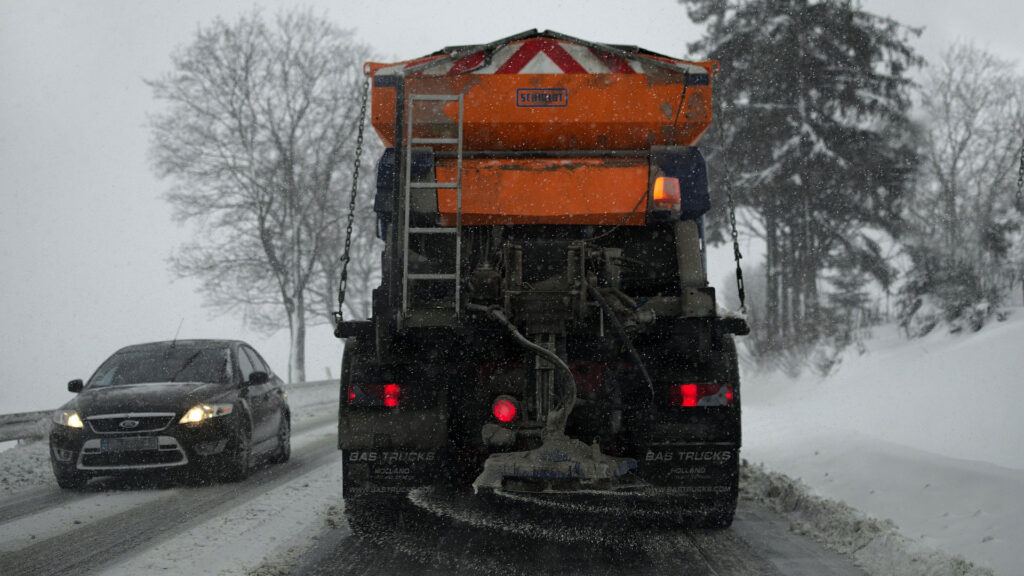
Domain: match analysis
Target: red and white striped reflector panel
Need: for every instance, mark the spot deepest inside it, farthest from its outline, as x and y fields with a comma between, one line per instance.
x=538, y=55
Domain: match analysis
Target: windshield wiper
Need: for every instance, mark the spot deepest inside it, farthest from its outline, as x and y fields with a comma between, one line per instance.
x=188, y=361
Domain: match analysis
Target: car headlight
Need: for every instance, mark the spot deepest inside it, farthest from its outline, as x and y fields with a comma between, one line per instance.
x=68, y=418
x=203, y=412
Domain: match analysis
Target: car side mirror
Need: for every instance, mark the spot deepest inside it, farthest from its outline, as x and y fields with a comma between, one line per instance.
x=257, y=378
x=75, y=386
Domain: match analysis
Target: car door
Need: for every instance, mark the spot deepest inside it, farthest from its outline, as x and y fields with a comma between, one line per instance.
x=252, y=396
x=279, y=405
x=266, y=413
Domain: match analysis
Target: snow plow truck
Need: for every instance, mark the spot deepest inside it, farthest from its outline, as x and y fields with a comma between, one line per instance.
x=544, y=322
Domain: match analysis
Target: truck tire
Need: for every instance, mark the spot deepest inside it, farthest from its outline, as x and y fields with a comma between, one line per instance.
x=359, y=515
x=373, y=517
x=719, y=520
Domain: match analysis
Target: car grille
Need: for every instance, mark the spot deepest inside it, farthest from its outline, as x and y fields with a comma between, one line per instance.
x=168, y=452
x=132, y=459
x=144, y=422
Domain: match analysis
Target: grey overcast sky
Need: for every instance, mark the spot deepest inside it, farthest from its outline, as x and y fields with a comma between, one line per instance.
x=84, y=232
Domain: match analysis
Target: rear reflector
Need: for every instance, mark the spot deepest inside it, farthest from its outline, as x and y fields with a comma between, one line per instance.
x=693, y=395
x=504, y=409
x=387, y=395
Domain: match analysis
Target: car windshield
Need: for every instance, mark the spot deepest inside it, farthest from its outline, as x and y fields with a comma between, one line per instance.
x=170, y=364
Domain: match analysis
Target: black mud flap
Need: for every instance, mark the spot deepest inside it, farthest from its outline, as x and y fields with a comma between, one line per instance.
x=384, y=471
x=700, y=471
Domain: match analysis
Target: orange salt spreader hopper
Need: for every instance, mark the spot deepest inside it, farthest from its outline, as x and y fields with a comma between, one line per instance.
x=555, y=130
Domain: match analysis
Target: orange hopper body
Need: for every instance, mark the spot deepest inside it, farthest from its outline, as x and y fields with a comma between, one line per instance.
x=566, y=126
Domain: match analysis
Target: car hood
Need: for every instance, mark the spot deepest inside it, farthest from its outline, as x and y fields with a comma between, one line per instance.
x=174, y=397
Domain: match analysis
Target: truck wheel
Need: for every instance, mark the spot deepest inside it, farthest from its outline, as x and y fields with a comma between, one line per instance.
x=463, y=469
x=718, y=520
x=369, y=516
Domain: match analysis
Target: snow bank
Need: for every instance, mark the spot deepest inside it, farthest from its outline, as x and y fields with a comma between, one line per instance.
x=924, y=433
x=24, y=466
x=877, y=546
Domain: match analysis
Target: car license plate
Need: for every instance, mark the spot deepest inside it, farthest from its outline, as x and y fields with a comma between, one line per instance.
x=129, y=444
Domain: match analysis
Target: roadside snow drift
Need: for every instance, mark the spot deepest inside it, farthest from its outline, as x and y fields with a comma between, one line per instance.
x=925, y=433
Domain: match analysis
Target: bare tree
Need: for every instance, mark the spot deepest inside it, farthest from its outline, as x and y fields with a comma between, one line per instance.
x=364, y=258
x=258, y=135
x=966, y=240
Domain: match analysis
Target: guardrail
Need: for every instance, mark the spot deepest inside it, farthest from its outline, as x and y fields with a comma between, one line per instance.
x=25, y=425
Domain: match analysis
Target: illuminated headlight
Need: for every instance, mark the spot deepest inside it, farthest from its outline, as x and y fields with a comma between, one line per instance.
x=67, y=418
x=204, y=412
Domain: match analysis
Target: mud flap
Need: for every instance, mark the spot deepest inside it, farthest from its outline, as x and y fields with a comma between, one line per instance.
x=383, y=471
x=693, y=471
x=559, y=464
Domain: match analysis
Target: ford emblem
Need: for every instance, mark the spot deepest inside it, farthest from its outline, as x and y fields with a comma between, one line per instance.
x=129, y=424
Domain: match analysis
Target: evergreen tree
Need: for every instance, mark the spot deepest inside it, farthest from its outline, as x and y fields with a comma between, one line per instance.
x=811, y=109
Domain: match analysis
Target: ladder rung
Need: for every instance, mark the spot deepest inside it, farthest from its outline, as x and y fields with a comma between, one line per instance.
x=434, y=97
x=432, y=230
x=433, y=184
x=431, y=276
x=434, y=141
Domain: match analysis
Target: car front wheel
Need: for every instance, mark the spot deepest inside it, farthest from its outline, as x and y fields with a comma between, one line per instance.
x=284, y=441
x=70, y=480
x=236, y=461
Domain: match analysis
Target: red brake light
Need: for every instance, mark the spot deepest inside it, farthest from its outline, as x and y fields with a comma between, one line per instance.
x=693, y=395
x=504, y=409
x=374, y=395
x=391, y=392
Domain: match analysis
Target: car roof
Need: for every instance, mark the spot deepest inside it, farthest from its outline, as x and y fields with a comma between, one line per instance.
x=182, y=344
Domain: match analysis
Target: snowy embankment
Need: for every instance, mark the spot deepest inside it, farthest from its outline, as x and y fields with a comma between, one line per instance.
x=923, y=435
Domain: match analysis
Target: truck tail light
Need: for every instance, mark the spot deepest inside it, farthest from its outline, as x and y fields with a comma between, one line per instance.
x=504, y=409
x=387, y=395
x=692, y=395
x=666, y=193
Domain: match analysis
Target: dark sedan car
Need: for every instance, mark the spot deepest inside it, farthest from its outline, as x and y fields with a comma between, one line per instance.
x=205, y=407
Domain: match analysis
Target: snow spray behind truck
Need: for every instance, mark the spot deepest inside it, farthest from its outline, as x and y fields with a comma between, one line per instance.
x=544, y=322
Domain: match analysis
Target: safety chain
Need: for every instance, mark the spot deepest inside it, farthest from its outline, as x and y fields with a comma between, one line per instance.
x=736, y=249
x=1020, y=181
x=343, y=283
x=740, y=290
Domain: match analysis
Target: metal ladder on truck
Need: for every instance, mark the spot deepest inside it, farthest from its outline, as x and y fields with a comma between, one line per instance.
x=423, y=316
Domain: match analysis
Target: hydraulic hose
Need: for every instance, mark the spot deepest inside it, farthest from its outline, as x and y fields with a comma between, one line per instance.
x=558, y=418
x=623, y=335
